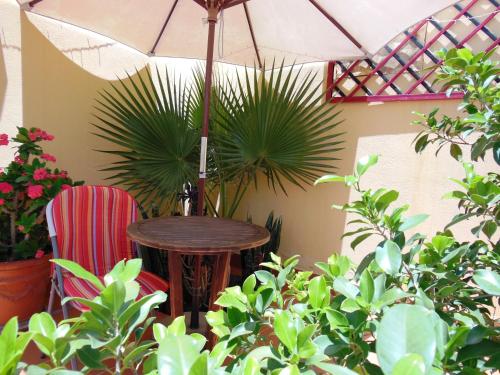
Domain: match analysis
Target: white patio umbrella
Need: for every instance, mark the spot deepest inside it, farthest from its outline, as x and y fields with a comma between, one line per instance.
x=249, y=32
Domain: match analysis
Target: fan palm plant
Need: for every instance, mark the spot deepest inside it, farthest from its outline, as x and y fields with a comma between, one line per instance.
x=279, y=127
x=156, y=138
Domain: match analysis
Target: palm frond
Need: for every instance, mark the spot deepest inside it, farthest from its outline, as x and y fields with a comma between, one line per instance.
x=279, y=127
x=157, y=142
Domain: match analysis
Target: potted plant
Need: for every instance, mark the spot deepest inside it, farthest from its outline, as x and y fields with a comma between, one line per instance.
x=27, y=184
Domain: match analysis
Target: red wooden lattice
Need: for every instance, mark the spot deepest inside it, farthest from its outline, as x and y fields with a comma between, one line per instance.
x=405, y=68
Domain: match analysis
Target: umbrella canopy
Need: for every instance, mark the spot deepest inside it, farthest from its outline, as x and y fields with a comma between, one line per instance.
x=249, y=32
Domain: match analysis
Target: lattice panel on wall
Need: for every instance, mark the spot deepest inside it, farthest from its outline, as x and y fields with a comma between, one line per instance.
x=404, y=69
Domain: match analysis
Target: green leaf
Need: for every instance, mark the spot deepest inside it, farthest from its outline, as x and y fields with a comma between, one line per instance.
x=177, y=327
x=242, y=329
x=249, y=285
x=124, y=271
x=412, y=221
x=329, y=178
x=403, y=330
x=350, y=180
x=388, y=257
x=113, y=296
x=290, y=370
x=233, y=297
x=251, y=366
x=264, y=299
x=365, y=163
x=44, y=324
x=345, y=287
x=90, y=357
x=176, y=354
x=456, y=152
x=319, y=294
x=366, y=286
x=410, y=364
x=285, y=330
x=421, y=143
x=336, y=319
x=488, y=280
x=335, y=369
x=44, y=328
x=359, y=239
x=200, y=365
x=389, y=297
x=489, y=228
x=483, y=349
x=349, y=305
x=265, y=277
x=423, y=300
x=385, y=200
x=138, y=311
x=496, y=152
x=79, y=272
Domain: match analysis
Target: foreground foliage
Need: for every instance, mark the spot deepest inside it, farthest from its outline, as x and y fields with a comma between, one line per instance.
x=415, y=305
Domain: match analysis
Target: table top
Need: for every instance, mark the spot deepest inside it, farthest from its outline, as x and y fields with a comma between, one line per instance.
x=197, y=234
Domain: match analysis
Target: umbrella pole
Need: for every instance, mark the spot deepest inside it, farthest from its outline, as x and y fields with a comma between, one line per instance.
x=212, y=20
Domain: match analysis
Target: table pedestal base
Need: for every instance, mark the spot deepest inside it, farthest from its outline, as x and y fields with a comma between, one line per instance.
x=220, y=279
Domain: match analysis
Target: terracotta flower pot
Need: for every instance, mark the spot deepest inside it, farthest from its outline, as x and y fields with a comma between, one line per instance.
x=24, y=287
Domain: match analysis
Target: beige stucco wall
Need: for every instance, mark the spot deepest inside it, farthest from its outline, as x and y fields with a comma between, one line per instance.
x=313, y=229
x=58, y=96
x=52, y=90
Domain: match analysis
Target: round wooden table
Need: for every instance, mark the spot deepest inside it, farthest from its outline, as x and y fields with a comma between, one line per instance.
x=199, y=236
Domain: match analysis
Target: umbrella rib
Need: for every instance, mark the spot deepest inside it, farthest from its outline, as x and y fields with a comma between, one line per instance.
x=152, y=51
x=341, y=28
x=250, y=26
x=34, y=2
x=232, y=3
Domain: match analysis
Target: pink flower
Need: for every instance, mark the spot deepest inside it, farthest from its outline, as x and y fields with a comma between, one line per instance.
x=39, y=254
x=2, y=201
x=40, y=174
x=46, y=136
x=35, y=191
x=65, y=187
x=5, y=187
x=48, y=157
x=20, y=228
x=4, y=139
x=18, y=160
x=35, y=134
x=63, y=174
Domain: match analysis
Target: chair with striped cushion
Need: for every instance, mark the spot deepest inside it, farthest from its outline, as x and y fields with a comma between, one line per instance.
x=87, y=225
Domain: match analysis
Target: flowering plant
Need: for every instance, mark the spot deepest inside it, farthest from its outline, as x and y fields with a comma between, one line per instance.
x=27, y=184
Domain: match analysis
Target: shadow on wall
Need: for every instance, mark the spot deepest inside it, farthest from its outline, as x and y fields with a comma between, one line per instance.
x=58, y=96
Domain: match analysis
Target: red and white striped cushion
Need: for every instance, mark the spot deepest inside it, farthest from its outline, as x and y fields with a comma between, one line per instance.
x=75, y=287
